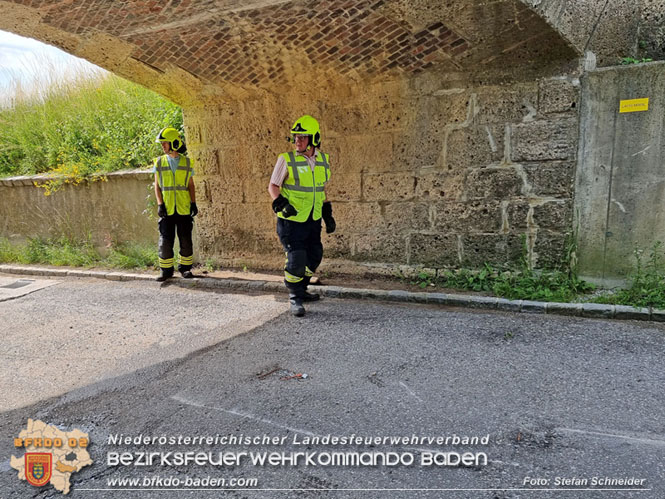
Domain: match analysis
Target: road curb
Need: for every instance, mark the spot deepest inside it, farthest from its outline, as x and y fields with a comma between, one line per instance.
x=587, y=310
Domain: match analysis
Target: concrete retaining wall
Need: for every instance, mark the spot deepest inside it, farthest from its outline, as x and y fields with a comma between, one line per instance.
x=620, y=185
x=108, y=211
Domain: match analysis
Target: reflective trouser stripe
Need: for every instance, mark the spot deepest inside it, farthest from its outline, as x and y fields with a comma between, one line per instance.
x=186, y=260
x=166, y=263
x=308, y=273
x=288, y=277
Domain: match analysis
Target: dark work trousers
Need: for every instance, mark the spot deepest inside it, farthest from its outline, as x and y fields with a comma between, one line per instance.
x=168, y=226
x=304, y=251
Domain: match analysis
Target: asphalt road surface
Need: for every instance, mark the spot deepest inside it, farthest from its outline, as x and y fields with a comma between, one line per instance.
x=564, y=403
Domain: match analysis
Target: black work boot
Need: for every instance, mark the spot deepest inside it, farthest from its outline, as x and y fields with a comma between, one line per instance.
x=308, y=296
x=186, y=274
x=311, y=297
x=296, y=306
x=165, y=274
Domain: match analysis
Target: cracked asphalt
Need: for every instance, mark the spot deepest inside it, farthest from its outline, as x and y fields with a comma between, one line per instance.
x=561, y=398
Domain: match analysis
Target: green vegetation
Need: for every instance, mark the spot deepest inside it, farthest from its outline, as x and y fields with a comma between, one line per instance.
x=64, y=251
x=647, y=287
x=519, y=282
x=647, y=283
x=210, y=265
x=85, y=125
x=132, y=256
x=514, y=284
x=631, y=60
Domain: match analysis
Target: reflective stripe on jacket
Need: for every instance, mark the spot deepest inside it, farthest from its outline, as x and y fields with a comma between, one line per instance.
x=303, y=187
x=175, y=191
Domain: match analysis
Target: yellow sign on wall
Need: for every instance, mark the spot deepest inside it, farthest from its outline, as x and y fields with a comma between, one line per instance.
x=634, y=105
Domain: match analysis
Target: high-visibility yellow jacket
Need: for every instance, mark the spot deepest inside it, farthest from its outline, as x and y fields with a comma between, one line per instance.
x=174, y=187
x=303, y=187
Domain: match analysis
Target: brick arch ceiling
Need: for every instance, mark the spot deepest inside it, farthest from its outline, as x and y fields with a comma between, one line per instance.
x=227, y=49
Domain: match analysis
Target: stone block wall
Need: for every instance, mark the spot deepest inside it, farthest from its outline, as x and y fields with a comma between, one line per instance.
x=424, y=173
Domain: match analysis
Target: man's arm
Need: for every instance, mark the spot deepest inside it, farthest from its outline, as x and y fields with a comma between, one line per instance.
x=192, y=190
x=279, y=202
x=158, y=191
x=194, y=210
x=273, y=190
x=326, y=212
x=161, y=209
x=279, y=174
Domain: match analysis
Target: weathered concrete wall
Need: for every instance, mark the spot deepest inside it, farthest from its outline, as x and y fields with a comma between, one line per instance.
x=108, y=211
x=620, y=201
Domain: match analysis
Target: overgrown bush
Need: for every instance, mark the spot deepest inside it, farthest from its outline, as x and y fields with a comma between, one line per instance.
x=77, y=127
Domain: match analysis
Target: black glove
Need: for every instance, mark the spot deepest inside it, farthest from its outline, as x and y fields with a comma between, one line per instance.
x=326, y=212
x=161, y=210
x=282, y=205
x=193, y=210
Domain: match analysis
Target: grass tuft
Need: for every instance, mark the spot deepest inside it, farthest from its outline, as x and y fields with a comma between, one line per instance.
x=647, y=287
x=64, y=251
x=514, y=284
x=132, y=256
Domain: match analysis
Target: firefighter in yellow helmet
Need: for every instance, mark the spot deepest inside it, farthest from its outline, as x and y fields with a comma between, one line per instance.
x=176, y=203
x=297, y=188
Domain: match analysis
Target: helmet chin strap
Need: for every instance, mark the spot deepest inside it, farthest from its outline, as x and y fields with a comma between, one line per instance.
x=171, y=152
x=309, y=145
